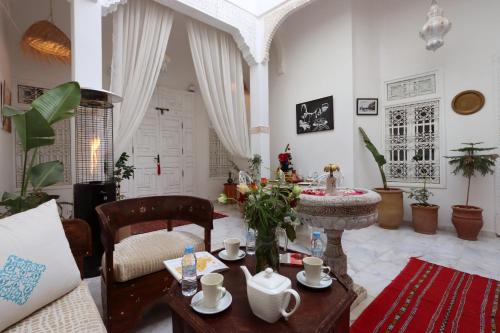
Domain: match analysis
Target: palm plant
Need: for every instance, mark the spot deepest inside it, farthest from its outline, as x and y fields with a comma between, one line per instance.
x=34, y=130
x=379, y=158
x=472, y=162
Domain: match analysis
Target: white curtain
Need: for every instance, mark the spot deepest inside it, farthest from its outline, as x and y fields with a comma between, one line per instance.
x=218, y=65
x=141, y=29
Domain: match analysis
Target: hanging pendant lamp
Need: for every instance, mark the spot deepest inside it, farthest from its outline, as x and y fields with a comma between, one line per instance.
x=45, y=40
x=435, y=28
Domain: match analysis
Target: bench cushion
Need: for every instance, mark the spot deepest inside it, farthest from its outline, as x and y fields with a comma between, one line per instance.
x=75, y=312
x=143, y=254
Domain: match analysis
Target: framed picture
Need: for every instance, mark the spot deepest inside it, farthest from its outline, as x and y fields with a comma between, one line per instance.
x=315, y=116
x=367, y=106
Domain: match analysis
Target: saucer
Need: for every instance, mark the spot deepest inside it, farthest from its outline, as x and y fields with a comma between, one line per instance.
x=223, y=255
x=323, y=283
x=224, y=303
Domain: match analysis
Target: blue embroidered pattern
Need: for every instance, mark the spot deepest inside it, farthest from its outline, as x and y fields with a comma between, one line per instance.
x=18, y=278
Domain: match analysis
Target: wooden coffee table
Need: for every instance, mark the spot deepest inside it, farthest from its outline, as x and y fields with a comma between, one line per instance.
x=324, y=310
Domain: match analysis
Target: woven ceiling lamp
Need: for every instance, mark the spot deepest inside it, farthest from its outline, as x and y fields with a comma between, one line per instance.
x=43, y=39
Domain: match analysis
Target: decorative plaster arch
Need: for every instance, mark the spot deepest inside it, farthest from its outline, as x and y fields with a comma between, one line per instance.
x=274, y=19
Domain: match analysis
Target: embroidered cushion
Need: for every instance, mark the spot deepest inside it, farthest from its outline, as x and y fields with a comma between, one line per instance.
x=144, y=254
x=36, y=264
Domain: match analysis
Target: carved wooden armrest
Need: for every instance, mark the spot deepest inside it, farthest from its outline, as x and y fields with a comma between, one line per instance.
x=80, y=241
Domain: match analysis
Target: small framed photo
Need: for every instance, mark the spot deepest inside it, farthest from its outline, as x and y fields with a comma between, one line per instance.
x=367, y=106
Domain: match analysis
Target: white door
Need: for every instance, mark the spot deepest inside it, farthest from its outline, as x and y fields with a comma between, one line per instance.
x=188, y=163
x=170, y=151
x=165, y=132
x=145, y=151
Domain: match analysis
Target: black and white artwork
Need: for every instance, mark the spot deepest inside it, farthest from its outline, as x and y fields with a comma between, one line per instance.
x=367, y=106
x=315, y=116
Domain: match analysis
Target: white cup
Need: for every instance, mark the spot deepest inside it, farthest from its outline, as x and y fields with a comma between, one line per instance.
x=313, y=267
x=232, y=246
x=213, y=291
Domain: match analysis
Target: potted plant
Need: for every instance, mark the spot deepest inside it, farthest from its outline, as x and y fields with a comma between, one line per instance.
x=122, y=171
x=390, y=209
x=34, y=130
x=424, y=214
x=467, y=219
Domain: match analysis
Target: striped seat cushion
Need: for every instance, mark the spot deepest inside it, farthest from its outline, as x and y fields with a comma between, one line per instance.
x=143, y=254
x=75, y=312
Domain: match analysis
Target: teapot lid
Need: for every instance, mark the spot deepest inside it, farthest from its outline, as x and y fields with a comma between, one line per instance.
x=270, y=281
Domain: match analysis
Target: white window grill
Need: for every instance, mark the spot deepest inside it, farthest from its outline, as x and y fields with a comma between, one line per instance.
x=411, y=129
x=220, y=160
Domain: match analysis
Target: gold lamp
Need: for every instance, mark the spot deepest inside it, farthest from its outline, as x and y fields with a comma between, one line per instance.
x=45, y=40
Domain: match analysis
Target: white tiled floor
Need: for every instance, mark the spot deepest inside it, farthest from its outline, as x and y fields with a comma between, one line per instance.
x=375, y=257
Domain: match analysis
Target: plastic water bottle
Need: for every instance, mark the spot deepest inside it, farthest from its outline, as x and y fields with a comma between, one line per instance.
x=251, y=241
x=189, y=282
x=316, y=245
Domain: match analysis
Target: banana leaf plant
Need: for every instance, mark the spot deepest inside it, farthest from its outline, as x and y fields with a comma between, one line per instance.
x=379, y=158
x=34, y=130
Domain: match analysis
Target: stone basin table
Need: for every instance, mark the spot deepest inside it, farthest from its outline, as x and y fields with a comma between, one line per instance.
x=346, y=210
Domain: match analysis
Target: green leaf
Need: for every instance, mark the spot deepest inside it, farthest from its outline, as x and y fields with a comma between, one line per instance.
x=58, y=103
x=47, y=174
x=33, y=130
x=9, y=111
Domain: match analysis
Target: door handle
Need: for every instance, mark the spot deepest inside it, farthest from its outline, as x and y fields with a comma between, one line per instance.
x=158, y=165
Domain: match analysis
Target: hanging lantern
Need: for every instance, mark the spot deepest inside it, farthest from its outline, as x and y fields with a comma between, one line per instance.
x=45, y=40
x=435, y=28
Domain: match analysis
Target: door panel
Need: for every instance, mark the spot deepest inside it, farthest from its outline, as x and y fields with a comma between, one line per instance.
x=169, y=135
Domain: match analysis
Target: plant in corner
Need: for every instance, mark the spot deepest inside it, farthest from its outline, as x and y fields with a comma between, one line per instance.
x=467, y=219
x=122, y=171
x=34, y=130
x=390, y=209
x=424, y=214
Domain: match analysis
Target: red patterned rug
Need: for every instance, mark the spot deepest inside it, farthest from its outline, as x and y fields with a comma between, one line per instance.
x=429, y=298
x=158, y=225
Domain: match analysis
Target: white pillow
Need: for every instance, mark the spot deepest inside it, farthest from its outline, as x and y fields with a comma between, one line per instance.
x=36, y=264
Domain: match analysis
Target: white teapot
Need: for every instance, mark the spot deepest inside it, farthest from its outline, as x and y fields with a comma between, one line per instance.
x=269, y=294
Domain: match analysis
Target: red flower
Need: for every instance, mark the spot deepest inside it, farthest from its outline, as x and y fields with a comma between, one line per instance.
x=263, y=181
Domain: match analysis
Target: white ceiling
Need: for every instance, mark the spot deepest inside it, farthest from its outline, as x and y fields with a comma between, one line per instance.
x=257, y=7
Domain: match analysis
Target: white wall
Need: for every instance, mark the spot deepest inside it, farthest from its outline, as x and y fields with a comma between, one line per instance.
x=6, y=183
x=385, y=46
x=467, y=63
x=317, y=44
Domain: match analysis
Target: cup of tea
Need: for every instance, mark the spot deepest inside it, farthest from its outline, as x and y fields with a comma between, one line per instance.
x=314, y=268
x=232, y=246
x=213, y=291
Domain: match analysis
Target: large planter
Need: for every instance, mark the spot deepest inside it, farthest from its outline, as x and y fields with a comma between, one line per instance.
x=468, y=221
x=390, y=209
x=424, y=218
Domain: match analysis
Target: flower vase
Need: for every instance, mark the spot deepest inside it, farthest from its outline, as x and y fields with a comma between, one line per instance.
x=267, y=250
x=285, y=165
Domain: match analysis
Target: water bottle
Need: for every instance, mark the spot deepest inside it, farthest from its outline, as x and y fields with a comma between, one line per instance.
x=316, y=245
x=189, y=282
x=250, y=241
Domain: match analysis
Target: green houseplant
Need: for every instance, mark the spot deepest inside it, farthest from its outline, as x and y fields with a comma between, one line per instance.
x=424, y=214
x=34, y=130
x=390, y=209
x=467, y=219
x=122, y=171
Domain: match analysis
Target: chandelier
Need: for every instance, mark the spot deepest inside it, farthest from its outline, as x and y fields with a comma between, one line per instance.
x=45, y=40
x=435, y=28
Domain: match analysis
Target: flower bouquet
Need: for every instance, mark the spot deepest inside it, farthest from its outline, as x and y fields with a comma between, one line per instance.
x=268, y=208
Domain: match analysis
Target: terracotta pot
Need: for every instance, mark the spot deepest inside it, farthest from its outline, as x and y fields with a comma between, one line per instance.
x=424, y=218
x=390, y=209
x=468, y=221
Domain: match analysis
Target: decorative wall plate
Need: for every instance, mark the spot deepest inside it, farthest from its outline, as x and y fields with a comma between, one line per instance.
x=468, y=102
